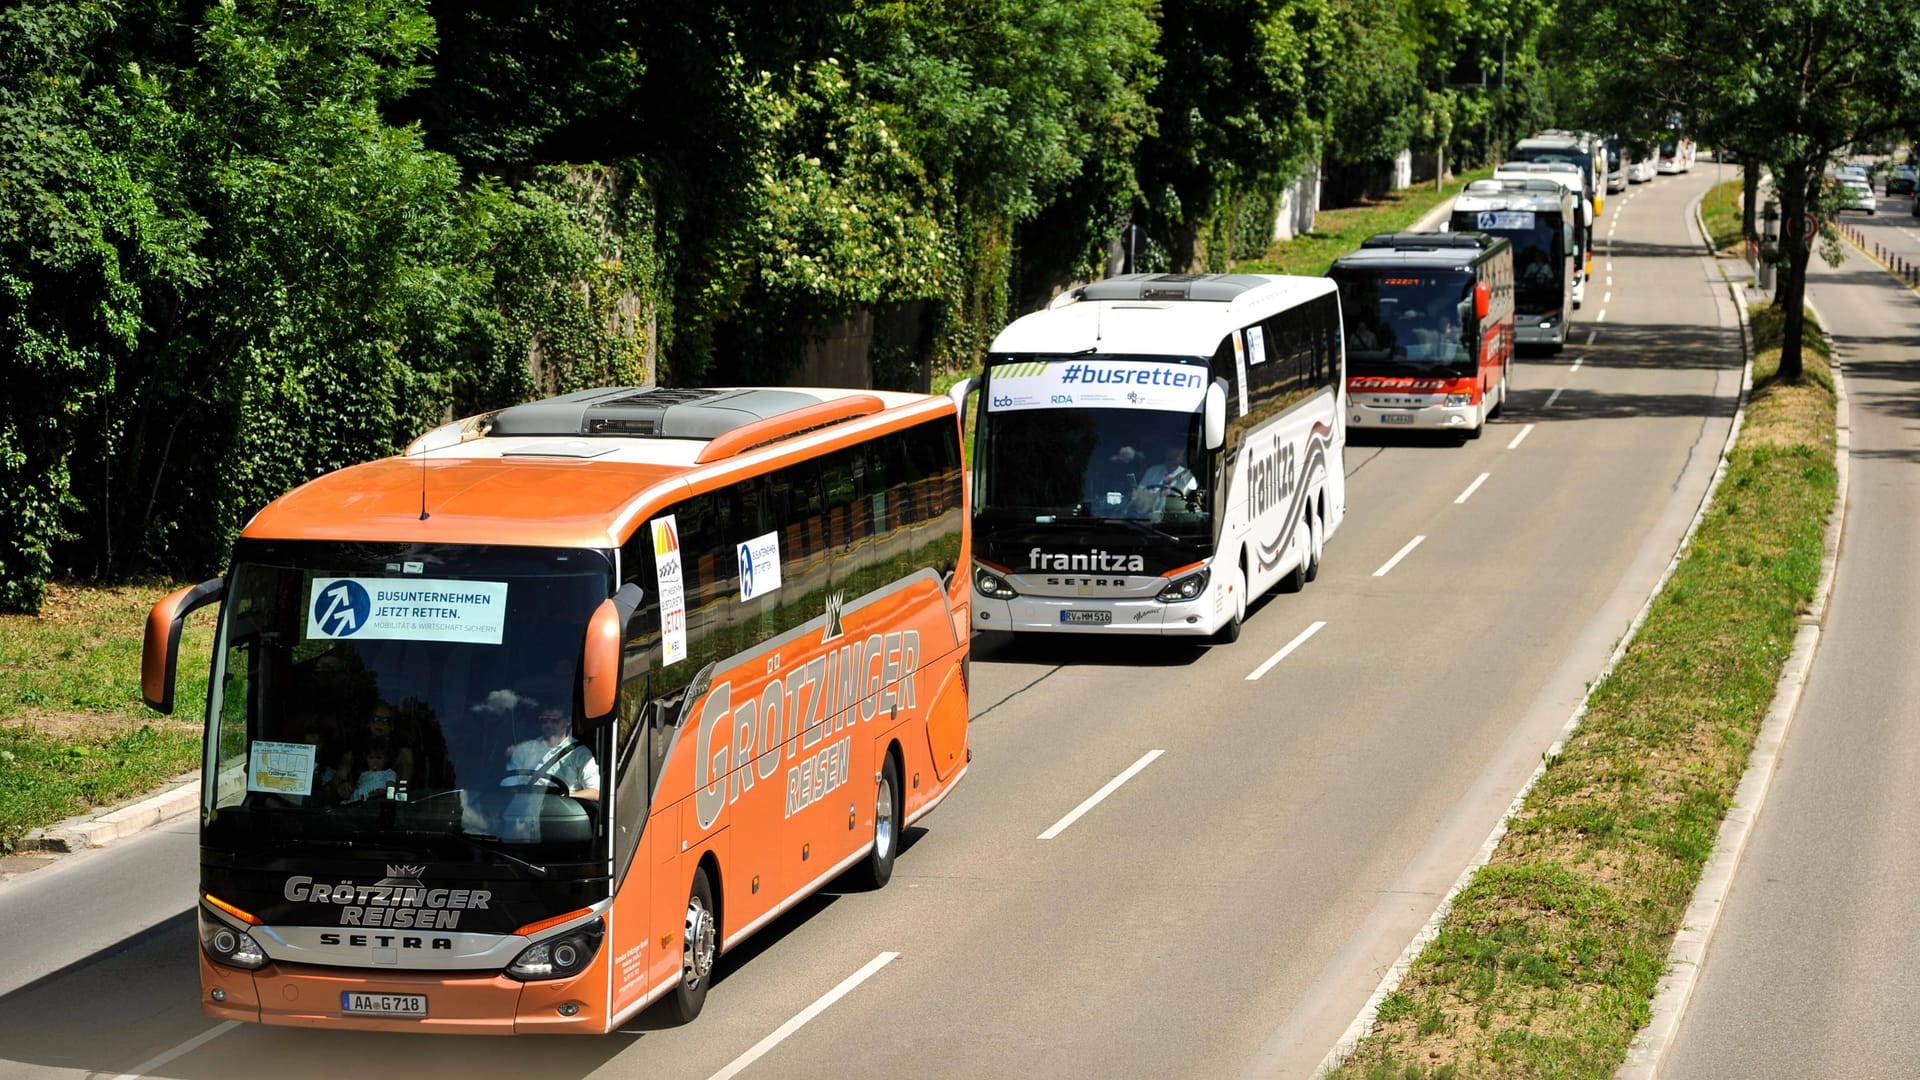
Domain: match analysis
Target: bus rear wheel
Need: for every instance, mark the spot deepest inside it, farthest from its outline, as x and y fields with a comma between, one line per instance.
x=698, y=950
x=877, y=870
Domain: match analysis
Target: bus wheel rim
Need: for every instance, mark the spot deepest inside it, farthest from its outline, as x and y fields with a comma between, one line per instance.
x=697, y=963
x=883, y=818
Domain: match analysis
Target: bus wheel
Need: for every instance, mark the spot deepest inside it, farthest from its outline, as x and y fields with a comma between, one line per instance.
x=1230, y=633
x=1296, y=578
x=887, y=827
x=1317, y=531
x=699, y=948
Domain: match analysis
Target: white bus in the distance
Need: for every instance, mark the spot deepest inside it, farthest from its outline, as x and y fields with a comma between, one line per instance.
x=1153, y=451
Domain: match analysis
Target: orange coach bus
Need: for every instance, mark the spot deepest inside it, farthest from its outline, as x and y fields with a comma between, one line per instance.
x=519, y=730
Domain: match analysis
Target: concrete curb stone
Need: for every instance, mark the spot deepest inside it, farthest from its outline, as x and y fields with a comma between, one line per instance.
x=109, y=824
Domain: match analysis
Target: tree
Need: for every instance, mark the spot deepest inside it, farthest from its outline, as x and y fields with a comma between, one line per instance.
x=1789, y=85
x=1243, y=99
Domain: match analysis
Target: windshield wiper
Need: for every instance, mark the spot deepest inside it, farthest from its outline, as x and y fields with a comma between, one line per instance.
x=479, y=841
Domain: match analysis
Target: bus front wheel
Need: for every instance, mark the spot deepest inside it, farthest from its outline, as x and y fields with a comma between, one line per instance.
x=698, y=950
x=1230, y=633
x=887, y=826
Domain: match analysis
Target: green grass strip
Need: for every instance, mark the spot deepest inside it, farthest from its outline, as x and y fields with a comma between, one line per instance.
x=1548, y=961
x=1721, y=210
x=74, y=733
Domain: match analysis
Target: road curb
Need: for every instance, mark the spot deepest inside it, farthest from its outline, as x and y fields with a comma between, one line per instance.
x=1648, y=1052
x=110, y=824
x=1396, y=972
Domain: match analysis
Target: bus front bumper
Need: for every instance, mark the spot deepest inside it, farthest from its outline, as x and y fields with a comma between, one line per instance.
x=1103, y=615
x=1438, y=416
x=1539, y=330
x=462, y=1003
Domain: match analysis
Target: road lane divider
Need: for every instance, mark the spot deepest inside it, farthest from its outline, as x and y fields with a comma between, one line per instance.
x=1602, y=317
x=1298, y=640
x=1576, y=363
x=1518, y=439
x=820, y=1005
x=187, y=1047
x=1555, y=396
x=1397, y=556
x=1094, y=800
x=1591, y=334
x=1471, y=488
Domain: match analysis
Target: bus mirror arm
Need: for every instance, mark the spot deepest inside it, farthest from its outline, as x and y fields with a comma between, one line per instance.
x=600, y=660
x=160, y=652
x=958, y=393
x=1216, y=414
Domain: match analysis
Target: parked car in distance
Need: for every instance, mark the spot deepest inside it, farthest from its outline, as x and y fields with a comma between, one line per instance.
x=1855, y=194
x=1901, y=180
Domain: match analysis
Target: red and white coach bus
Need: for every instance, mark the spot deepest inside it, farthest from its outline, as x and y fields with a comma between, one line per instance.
x=1429, y=328
x=519, y=730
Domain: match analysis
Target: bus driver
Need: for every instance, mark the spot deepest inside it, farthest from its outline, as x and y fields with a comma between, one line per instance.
x=556, y=755
x=1170, y=476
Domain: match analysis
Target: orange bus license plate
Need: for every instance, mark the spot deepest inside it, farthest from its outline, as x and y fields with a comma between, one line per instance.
x=383, y=1004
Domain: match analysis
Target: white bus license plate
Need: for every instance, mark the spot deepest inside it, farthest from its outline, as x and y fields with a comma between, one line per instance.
x=383, y=1004
x=1396, y=418
x=1098, y=618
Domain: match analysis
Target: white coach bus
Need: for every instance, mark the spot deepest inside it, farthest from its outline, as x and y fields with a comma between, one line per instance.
x=1152, y=451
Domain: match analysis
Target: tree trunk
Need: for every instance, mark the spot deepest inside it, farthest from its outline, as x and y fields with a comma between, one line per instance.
x=1749, y=197
x=1796, y=240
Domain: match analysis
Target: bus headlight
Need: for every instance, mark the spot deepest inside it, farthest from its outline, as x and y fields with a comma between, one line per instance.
x=559, y=957
x=225, y=945
x=992, y=585
x=1459, y=401
x=1186, y=588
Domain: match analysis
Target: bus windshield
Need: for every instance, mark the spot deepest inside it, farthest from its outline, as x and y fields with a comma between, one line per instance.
x=1070, y=465
x=416, y=698
x=1406, y=322
x=1539, y=252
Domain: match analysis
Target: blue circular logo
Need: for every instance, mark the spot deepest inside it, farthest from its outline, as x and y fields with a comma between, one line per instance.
x=746, y=571
x=341, y=609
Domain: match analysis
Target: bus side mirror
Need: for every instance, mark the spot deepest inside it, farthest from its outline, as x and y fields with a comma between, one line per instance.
x=1482, y=299
x=600, y=660
x=160, y=653
x=1216, y=417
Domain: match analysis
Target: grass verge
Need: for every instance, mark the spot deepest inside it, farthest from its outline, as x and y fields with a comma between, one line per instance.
x=74, y=733
x=1547, y=963
x=1336, y=232
x=1721, y=209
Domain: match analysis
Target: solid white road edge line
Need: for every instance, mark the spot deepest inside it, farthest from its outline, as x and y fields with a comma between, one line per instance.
x=846, y=986
x=1298, y=640
x=1093, y=800
x=1517, y=439
x=190, y=1045
x=1397, y=556
x=1471, y=488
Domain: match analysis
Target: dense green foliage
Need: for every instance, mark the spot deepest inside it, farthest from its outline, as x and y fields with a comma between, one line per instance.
x=1789, y=86
x=243, y=242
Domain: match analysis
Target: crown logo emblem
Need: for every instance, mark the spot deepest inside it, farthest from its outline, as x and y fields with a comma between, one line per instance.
x=405, y=871
x=834, y=603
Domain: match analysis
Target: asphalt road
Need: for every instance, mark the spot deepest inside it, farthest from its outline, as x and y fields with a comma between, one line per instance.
x=1814, y=969
x=1226, y=910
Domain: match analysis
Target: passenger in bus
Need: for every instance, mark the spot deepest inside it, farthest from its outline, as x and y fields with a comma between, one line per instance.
x=554, y=754
x=1169, y=476
x=378, y=776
